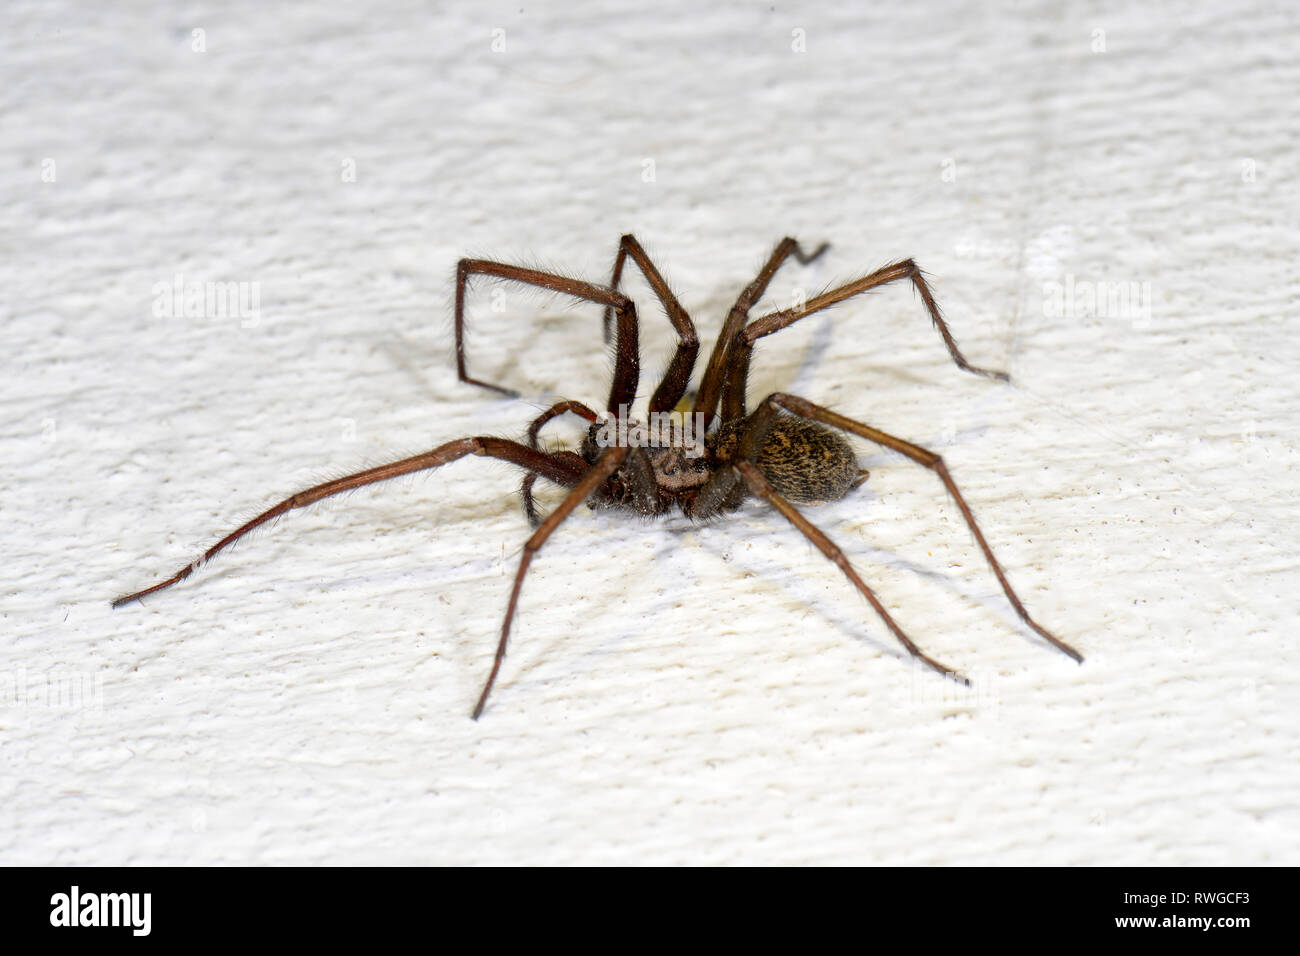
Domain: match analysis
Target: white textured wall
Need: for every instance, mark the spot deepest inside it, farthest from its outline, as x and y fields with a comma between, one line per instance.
x=674, y=694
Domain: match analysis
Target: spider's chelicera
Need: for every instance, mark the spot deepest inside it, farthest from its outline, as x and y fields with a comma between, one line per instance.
x=705, y=461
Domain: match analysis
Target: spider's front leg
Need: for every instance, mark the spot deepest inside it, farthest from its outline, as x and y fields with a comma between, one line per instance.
x=584, y=480
x=608, y=464
x=762, y=420
x=627, y=366
x=556, y=468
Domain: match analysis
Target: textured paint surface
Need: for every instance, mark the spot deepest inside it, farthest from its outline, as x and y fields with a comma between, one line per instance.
x=674, y=694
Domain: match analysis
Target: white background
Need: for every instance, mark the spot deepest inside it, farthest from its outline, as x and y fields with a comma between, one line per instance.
x=673, y=694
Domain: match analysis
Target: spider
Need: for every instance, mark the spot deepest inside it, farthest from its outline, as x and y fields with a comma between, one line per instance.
x=786, y=450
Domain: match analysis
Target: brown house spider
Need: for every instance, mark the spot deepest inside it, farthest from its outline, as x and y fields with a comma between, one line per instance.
x=781, y=458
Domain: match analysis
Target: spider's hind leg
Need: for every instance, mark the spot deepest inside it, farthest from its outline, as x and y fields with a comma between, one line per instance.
x=759, y=486
x=764, y=416
x=741, y=346
x=726, y=489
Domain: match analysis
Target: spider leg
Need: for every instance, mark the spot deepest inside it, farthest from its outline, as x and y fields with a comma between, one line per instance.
x=714, y=374
x=555, y=411
x=530, y=479
x=627, y=367
x=759, y=486
x=606, y=466
x=678, y=375
x=640, y=476
x=720, y=493
x=761, y=420
x=557, y=469
x=741, y=347
x=640, y=485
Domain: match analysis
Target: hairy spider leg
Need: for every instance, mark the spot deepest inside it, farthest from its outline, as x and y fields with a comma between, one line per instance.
x=715, y=372
x=742, y=344
x=555, y=411
x=761, y=421
x=759, y=486
x=608, y=464
x=627, y=364
x=557, y=468
x=678, y=376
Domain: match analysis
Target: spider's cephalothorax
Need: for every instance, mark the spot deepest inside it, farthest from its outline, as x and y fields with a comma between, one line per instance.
x=803, y=461
x=653, y=479
x=784, y=450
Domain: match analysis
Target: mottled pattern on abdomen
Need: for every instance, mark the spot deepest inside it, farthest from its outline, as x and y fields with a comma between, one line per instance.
x=803, y=461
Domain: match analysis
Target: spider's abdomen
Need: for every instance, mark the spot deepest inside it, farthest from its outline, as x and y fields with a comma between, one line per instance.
x=802, y=460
